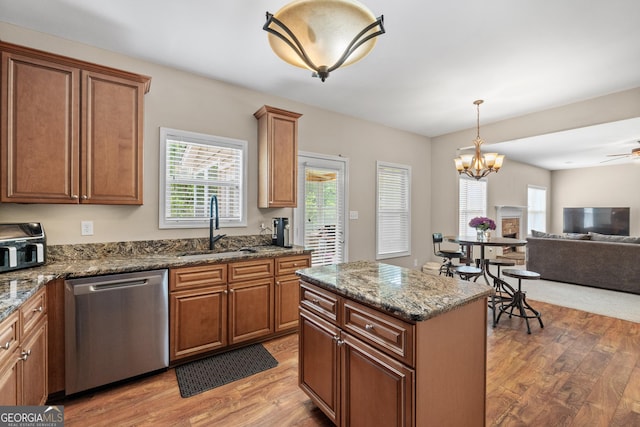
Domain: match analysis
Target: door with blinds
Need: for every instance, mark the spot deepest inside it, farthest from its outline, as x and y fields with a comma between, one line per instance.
x=320, y=218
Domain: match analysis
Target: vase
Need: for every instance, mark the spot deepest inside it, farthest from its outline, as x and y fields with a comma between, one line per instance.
x=480, y=234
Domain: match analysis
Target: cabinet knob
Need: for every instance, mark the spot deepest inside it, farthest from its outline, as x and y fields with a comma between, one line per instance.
x=84, y=197
x=38, y=310
x=315, y=301
x=6, y=345
x=278, y=283
x=74, y=196
x=25, y=355
x=368, y=327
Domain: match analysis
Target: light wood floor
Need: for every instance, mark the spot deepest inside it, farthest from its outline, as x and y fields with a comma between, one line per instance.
x=582, y=369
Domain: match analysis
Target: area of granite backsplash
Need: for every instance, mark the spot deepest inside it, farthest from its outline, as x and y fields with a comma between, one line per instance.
x=151, y=247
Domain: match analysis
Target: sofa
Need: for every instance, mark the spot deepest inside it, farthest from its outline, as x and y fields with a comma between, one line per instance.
x=600, y=261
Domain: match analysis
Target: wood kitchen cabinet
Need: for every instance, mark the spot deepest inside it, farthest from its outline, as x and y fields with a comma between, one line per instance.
x=362, y=366
x=71, y=130
x=23, y=362
x=277, y=157
x=198, y=310
x=251, y=300
x=288, y=290
x=229, y=305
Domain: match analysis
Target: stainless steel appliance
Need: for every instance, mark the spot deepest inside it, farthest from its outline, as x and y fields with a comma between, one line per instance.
x=22, y=245
x=116, y=327
x=280, y=234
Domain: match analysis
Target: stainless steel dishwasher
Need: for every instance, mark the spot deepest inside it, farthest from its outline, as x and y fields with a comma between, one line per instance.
x=116, y=327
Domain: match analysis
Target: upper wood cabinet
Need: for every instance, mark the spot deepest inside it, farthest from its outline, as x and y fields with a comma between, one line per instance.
x=277, y=157
x=72, y=132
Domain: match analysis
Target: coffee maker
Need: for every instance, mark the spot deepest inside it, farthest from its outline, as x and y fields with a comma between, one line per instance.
x=280, y=235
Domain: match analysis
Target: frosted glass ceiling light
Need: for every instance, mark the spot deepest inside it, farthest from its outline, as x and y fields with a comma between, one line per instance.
x=322, y=35
x=478, y=165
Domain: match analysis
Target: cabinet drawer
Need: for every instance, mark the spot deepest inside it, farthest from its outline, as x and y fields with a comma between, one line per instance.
x=8, y=336
x=195, y=277
x=321, y=302
x=387, y=333
x=289, y=265
x=32, y=311
x=249, y=270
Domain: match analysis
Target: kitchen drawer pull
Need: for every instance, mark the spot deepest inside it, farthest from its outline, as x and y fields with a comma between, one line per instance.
x=7, y=345
x=25, y=355
x=368, y=327
x=38, y=310
x=316, y=301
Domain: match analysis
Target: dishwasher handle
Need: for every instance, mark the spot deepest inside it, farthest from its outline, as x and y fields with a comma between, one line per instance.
x=107, y=286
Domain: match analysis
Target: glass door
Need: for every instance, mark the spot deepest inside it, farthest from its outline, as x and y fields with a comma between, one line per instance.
x=320, y=222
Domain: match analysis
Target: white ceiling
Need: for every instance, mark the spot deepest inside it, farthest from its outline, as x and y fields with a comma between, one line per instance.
x=436, y=58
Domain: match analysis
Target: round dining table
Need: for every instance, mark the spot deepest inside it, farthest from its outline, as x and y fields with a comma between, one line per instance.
x=491, y=241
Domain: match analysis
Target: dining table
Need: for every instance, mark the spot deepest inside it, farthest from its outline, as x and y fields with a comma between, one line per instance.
x=473, y=240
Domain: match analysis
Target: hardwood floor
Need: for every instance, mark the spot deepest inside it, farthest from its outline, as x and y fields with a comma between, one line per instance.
x=582, y=369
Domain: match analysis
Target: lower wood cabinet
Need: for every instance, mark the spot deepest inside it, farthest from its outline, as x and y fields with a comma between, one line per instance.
x=220, y=305
x=363, y=367
x=23, y=358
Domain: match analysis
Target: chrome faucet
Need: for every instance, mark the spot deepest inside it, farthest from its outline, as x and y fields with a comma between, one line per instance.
x=213, y=239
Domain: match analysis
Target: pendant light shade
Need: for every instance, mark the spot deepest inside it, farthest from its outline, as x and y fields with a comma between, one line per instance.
x=322, y=35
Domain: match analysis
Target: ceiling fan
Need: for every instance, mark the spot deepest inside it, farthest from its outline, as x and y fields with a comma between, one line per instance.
x=634, y=154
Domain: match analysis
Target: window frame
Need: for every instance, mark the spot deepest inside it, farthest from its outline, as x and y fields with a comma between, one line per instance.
x=200, y=138
x=381, y=252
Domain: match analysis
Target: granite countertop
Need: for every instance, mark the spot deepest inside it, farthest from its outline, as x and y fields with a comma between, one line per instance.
x=405, y=293
x=17, y=286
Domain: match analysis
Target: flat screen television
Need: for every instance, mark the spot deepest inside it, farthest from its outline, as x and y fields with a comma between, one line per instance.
x=597, y=220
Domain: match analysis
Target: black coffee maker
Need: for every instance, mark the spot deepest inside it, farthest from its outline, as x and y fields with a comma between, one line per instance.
x=280, y=235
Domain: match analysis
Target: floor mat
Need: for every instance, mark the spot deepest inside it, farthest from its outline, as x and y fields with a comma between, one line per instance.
x=202, y=375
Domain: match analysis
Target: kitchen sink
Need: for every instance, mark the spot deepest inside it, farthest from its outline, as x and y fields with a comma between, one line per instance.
x=215, y=255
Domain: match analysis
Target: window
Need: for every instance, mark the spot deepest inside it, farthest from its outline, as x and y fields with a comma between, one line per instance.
x=472, y=202
x=536, y=208
x=193, y=168
x=393, y=209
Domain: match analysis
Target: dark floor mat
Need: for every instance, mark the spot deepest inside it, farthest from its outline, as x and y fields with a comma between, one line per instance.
x=205, y=374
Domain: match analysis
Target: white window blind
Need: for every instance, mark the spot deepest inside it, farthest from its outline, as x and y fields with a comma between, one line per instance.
x=324, y=213
x=393, y=210
x=194, y=167
x=472, y=203
x=536, y=208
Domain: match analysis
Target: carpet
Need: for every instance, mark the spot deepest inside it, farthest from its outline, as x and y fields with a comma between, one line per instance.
x=202, y=375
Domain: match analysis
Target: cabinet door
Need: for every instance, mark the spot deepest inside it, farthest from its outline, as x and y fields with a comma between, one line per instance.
x=250, y=310
x=287, y=296
x=40, y=131
x=10, y=386
x=34, y=367
x=278, y=157
x=364, y=370
x=198, y=321
x=319, y=363
x=112, y=118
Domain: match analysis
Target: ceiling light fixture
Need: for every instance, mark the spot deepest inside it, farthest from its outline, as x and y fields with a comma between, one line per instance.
x=478, y=165
x=322, y=35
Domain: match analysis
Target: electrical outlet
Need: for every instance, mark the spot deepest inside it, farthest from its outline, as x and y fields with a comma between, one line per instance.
x=86, y=228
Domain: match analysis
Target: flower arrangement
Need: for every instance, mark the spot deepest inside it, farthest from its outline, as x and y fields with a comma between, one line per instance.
x=482, y=223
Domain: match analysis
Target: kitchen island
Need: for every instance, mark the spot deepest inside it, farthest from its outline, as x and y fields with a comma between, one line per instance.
x=386, y=345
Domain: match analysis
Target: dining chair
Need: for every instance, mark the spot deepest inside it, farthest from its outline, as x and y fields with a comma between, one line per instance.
x=447, y=255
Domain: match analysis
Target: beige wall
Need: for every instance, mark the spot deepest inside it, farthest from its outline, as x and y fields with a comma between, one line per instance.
x=186, y=101
x=508, y=187
x=610, y=186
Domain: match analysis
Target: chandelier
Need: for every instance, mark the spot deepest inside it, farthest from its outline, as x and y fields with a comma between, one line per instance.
x=478, y=165
x=322, y=35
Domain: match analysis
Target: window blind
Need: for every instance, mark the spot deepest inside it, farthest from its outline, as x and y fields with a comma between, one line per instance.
x=472, y=202
x=393, y=210
x=324, y=213
x=195, y=169
x=536, y=208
